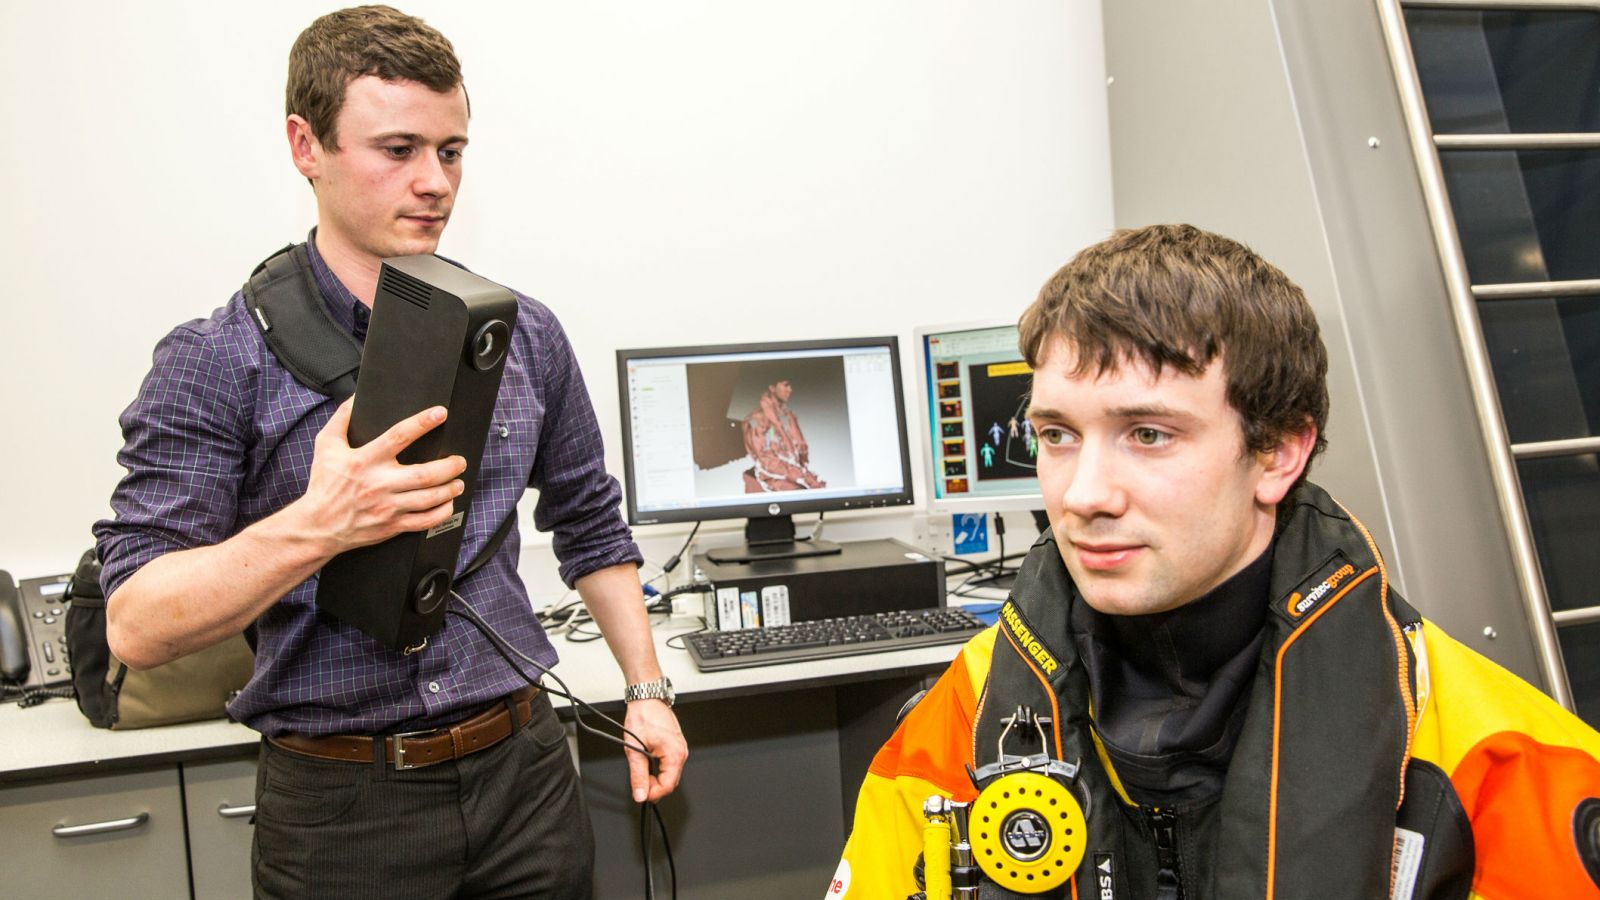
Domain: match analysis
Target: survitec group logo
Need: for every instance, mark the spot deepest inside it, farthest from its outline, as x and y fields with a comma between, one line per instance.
x=840, y=885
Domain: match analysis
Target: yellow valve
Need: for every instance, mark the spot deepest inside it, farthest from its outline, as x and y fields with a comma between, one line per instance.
x=1028, y=832
x=936, y=859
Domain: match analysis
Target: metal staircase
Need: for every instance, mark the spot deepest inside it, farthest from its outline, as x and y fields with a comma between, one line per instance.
x=1531, y=341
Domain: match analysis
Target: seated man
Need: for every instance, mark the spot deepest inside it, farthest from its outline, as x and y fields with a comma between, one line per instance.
x=1206, y=659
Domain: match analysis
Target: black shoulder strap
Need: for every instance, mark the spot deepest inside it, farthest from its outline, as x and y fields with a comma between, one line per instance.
x=490, y=546
x=283, y=298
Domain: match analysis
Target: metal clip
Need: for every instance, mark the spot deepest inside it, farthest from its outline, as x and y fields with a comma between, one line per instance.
x=1040, y=762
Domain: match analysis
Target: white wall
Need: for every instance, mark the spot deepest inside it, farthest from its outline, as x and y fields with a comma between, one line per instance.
x=658, y=173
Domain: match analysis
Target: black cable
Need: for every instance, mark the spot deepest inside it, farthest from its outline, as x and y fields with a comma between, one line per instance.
x=666, y=847
x=33, y=696
x=679, y=637
x=501, y=646
x=561, y=613
x=672, y=563
x=644, y=843
x=696, y=588
x=980, y=565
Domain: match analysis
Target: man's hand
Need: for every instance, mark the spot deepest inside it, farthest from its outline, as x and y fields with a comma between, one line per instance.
x=655, y=725
x=358, y=496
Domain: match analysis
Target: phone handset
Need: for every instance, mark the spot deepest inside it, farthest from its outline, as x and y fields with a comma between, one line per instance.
x=14, y=661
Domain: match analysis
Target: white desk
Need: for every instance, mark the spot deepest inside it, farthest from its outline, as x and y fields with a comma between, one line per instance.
x=776, y=756
x=55, y=739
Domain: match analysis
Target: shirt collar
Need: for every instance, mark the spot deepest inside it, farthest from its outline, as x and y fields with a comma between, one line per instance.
x=350, y=314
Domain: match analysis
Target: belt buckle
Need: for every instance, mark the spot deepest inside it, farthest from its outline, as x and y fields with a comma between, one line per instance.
x=400, y=763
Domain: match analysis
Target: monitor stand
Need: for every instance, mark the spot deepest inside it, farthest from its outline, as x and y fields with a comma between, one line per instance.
x=770, y=537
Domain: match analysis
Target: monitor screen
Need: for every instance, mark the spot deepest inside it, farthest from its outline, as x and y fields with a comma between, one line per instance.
x=763, y=430
x=978, y=447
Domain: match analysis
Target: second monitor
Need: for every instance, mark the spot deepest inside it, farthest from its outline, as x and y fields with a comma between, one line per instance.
x=761, y=432
x=980, y=450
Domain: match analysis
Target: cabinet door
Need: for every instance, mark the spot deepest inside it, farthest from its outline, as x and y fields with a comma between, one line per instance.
x=103, y=835
x=220, y=799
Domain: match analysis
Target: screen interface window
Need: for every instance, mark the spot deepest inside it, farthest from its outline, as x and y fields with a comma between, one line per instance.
x=730, y=429
x=981, y=441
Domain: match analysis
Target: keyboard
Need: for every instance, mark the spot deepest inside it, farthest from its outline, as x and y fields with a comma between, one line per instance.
x=826, y=638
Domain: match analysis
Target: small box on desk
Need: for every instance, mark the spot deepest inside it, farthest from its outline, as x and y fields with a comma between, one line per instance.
x=867, y=577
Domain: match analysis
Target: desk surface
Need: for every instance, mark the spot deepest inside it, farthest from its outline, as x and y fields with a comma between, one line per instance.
x=54, y=739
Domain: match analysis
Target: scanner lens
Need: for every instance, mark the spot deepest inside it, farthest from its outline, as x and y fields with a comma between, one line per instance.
x=488, y=346
x=431, y=591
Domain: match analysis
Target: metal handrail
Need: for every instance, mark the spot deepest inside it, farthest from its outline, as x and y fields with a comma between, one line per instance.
x=1574, y=140
x=1480, y=377
x=1537, y=290
x=1566, y=618
x=1546, y=449
x=1516, y=5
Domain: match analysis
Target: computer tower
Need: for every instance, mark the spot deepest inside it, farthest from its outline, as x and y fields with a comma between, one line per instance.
x=865, y=577
x=438, y=337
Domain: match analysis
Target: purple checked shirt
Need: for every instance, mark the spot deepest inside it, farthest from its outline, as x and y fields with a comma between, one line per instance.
x=220, y=436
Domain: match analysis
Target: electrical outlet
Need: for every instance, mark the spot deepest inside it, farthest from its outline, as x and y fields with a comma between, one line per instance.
x=932, y=533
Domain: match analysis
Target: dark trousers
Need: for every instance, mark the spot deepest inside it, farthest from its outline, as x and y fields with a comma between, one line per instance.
x=508, y=821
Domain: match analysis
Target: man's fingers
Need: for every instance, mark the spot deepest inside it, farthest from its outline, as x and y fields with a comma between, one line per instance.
x=431, y=474
x=671, y=771
x=638, y=775
x=427, y=518
x=338, y=426
x=428, y=499
x=405, y=432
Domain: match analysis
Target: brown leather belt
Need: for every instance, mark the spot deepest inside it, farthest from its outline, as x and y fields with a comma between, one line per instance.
x=415, y=749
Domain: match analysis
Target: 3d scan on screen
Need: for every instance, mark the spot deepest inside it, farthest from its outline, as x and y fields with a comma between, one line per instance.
x=770, y=425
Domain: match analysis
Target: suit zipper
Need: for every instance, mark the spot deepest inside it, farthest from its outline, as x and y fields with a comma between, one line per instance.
x=1169, y=876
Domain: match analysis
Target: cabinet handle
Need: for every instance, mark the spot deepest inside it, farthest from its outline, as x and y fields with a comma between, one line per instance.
x=67, y=831
x=236, y=812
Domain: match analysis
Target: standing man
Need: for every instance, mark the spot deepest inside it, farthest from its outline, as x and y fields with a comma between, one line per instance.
x=241, y=484
x=1205, y=659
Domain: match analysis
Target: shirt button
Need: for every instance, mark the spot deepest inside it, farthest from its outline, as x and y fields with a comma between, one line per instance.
x=504, y=431
x=433, y=686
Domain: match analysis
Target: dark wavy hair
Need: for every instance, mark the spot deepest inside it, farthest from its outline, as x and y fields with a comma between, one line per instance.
x=1174, y=295
x=362, y=40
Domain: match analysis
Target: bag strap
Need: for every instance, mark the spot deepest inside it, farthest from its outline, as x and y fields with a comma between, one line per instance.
x=489, y=548
x=283, y=300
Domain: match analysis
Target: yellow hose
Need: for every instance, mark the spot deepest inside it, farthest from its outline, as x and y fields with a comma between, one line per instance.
x=936, y=859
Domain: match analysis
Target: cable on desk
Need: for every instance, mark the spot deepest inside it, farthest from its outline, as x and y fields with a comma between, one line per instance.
x=679, y=637
x=27, y=697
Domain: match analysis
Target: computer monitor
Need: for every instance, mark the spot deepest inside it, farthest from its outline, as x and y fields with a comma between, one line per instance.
x=761, y=432
x=978, y=447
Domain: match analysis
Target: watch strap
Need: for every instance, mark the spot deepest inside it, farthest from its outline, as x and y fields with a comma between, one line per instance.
x=659, y=689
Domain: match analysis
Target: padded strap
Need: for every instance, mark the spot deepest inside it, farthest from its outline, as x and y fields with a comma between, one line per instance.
x=283, y=299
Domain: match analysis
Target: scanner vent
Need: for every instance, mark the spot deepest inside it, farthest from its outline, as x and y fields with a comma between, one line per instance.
x=406, y=288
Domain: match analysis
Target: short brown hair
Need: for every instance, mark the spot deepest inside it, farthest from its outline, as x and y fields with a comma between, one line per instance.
x=362, y=40
x=1174, y=295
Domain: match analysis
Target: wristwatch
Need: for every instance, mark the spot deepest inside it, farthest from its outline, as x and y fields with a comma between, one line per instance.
x=660, y=689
